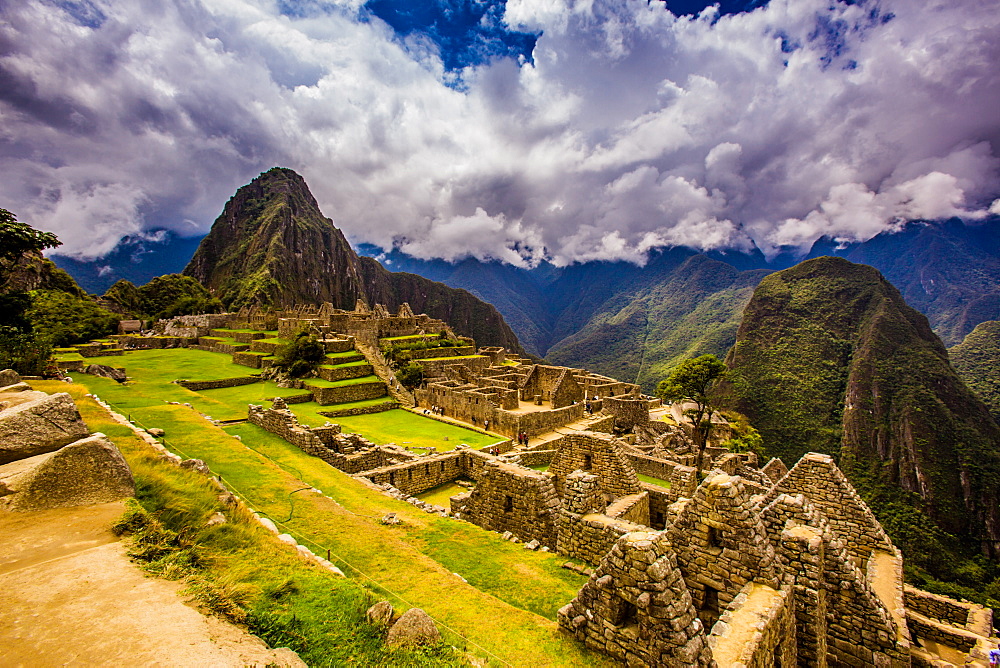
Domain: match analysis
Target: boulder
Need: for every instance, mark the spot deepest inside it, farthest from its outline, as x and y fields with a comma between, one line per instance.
x=156, y=432
x=16, y=387
x=106, y=371
x=381, y=614
x=86, y=472
x=9, y=377
x=42, y=424
x=415, y=627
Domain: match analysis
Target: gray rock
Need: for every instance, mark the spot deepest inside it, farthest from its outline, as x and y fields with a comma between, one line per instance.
x=155, y=432
x=42, y=424
x=9, y=377
x=86, y=472
x=532, y=545
x=415, y=627
x=380, y=614
x=216, y=519
x=16, y=387
x=106, y=371
x=197, y=465
x=286, y=658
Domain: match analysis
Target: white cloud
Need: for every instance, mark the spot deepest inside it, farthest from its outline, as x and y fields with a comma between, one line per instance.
x=631, y=129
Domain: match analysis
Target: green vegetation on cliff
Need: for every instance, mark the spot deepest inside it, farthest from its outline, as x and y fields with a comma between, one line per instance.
x=829, y=358
x=977, y=360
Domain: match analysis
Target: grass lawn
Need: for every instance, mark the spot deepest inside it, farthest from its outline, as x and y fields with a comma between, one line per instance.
x=540, y=467
x=411, y=430
x=506, y=609
x=319, y=382
x=441, y=495
x=654, y=481
x=341, y=365
x=347, y=354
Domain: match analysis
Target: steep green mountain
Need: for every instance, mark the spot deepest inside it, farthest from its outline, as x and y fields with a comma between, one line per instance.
x=977, y=361
x=829, y=358
x=666, y=316
x=949, y=271
x=273, y=246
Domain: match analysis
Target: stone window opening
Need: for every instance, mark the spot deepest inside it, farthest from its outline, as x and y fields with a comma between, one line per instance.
x=712, y=540
x=588, y=462
x=392, y=478
x=623, y=613
x=442, y=467
x=508, y=503
x=709, y=612
x=658, y=520
x=777, y=657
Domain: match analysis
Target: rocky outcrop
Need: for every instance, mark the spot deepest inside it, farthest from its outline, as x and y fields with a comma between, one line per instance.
x=829, y=358
x=106, y=371
x=37, y=423
x=88, y=471
x=414, y=628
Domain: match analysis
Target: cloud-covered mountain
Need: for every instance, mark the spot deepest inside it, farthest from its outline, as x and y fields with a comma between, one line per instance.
x=627, y=129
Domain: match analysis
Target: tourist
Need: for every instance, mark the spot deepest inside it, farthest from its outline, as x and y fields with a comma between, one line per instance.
x=486, y=424
x=995, y=657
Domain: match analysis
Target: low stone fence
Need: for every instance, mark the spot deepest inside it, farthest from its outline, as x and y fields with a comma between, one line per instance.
x=217, y=345
x=632, y=508
x=945, y=634
x=199, y=385
x=435, y=367
x=347, y=393
x=419, y=476
x=335, y=373
x=133, y=342
x=937, y=607
x=254, y=360
x=437, y=353
x=683, y=479
x=239, y=337
x=535, y=457
x=346, y=412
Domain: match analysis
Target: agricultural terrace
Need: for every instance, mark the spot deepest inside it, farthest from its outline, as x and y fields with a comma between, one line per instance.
x=490, y=597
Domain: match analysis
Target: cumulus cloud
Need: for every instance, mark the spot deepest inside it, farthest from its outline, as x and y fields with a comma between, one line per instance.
x=629, y=129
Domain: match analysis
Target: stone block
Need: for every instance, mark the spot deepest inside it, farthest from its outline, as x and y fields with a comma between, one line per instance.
x=88, y=471
x=415, y=627
x=41, y=425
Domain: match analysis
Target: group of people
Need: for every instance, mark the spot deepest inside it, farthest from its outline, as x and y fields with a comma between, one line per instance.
x=436, y=410
x=522, y=438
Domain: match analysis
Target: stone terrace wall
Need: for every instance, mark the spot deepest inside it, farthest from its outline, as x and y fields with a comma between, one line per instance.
x=199, y=385
x=512, y=498
x=535, y=457
x=660, y=500
x=627, y=411
x=633, y=508
x=132, y=342
x=683, y=479
x=326, y=396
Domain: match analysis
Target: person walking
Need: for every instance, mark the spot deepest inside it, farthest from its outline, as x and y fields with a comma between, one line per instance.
x=995, y=657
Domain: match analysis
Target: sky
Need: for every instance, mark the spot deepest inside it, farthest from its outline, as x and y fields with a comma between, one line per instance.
x=563, y=130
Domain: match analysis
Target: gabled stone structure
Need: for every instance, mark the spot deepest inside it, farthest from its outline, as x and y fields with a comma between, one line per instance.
x=597, y=453
x=637, y=608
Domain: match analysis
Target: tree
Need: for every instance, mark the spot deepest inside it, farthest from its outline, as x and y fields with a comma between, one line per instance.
x=18, y=238
x=411, y=375
x=302, y=356
x=693, y=380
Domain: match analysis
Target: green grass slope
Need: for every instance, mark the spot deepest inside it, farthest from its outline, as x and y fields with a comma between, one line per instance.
x=640, y=334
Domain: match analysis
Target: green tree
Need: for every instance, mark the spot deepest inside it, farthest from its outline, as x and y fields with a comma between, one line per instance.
x=693, y=381
x=18, y=238
x=410, y=375
x=20, y=348
x=302, y=356
x=173, y=294
x=63, y=319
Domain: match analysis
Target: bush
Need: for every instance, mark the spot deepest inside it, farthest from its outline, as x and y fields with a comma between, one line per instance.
x=301, y=358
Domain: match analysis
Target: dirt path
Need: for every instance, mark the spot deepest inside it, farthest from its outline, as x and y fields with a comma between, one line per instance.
x=72, y=597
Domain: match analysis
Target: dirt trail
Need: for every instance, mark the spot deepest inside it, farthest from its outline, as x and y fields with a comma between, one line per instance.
x=72, y=597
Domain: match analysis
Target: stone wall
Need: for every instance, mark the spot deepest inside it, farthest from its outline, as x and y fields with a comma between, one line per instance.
x=347, y=393
x=421, y=475
x=334, y=373
x=628, y=412
x=599, y=453
x=590, y=537
x=363, y=410
x=660, y=500
x=512, y=498
x=535, y=457
x=633, y=508
x=938, y=607
x=199, y=385
x=818, y=478
x=133, y=342
x=250, y=359
x=682, y=479
x=767, y=614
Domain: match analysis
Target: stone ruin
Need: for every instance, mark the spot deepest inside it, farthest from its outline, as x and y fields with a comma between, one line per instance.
x=48, y=457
